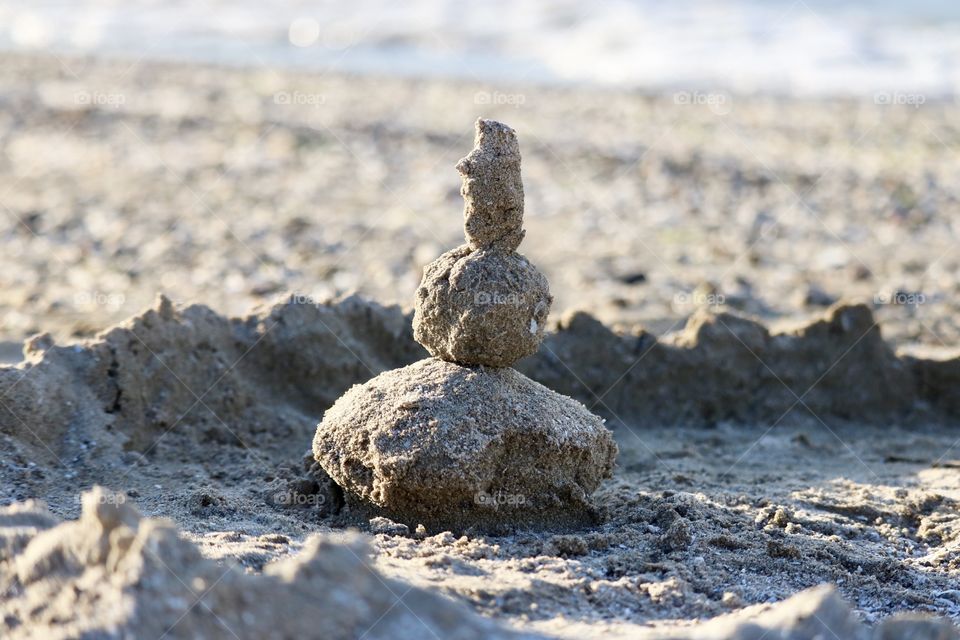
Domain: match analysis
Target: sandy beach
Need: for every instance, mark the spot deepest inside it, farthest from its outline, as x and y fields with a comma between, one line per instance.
x=233, y=188
x=758, y=294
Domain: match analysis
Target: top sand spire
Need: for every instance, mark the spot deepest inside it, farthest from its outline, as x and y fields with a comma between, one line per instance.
x=492, y=188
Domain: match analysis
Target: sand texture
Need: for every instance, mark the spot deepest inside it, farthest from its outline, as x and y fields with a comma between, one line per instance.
x=701, y=518
x=115, y=574
x=483, y=303
x=484, y=307
x=212, y=184
x=761, y=304
x=451, y=447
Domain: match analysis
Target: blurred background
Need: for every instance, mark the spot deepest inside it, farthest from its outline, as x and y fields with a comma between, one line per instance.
x=805, y=46
x=767, y=156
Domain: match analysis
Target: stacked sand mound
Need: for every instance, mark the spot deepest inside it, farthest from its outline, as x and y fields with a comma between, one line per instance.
x=462, y=440
x=483, y=303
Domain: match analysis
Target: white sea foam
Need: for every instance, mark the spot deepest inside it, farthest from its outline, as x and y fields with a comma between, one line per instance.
x=800, y=46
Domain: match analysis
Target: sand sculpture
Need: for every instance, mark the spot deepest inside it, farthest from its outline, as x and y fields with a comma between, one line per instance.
x=461, y=440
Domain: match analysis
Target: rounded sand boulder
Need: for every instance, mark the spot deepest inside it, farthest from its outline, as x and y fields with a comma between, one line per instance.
x=484, y=307
x=454, y=447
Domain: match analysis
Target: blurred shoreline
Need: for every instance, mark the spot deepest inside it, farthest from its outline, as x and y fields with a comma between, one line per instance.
x=784, y=47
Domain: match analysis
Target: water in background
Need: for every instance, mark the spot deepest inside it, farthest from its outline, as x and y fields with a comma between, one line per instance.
x=784, y=46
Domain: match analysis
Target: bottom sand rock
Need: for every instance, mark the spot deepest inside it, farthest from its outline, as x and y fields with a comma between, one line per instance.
x=456, y=447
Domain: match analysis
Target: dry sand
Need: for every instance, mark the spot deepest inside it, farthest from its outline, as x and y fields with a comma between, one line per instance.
x=128, y=178
x=753, y=463
x=207, y=421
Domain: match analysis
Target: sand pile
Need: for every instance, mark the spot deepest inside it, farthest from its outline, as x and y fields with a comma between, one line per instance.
x=218, y=412
x=462, y=441
x=726, y=367
x=114, y=574
x=821, y=613
x=265, y=378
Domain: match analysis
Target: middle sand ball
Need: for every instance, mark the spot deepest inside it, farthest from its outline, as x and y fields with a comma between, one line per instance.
x=485, y=307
